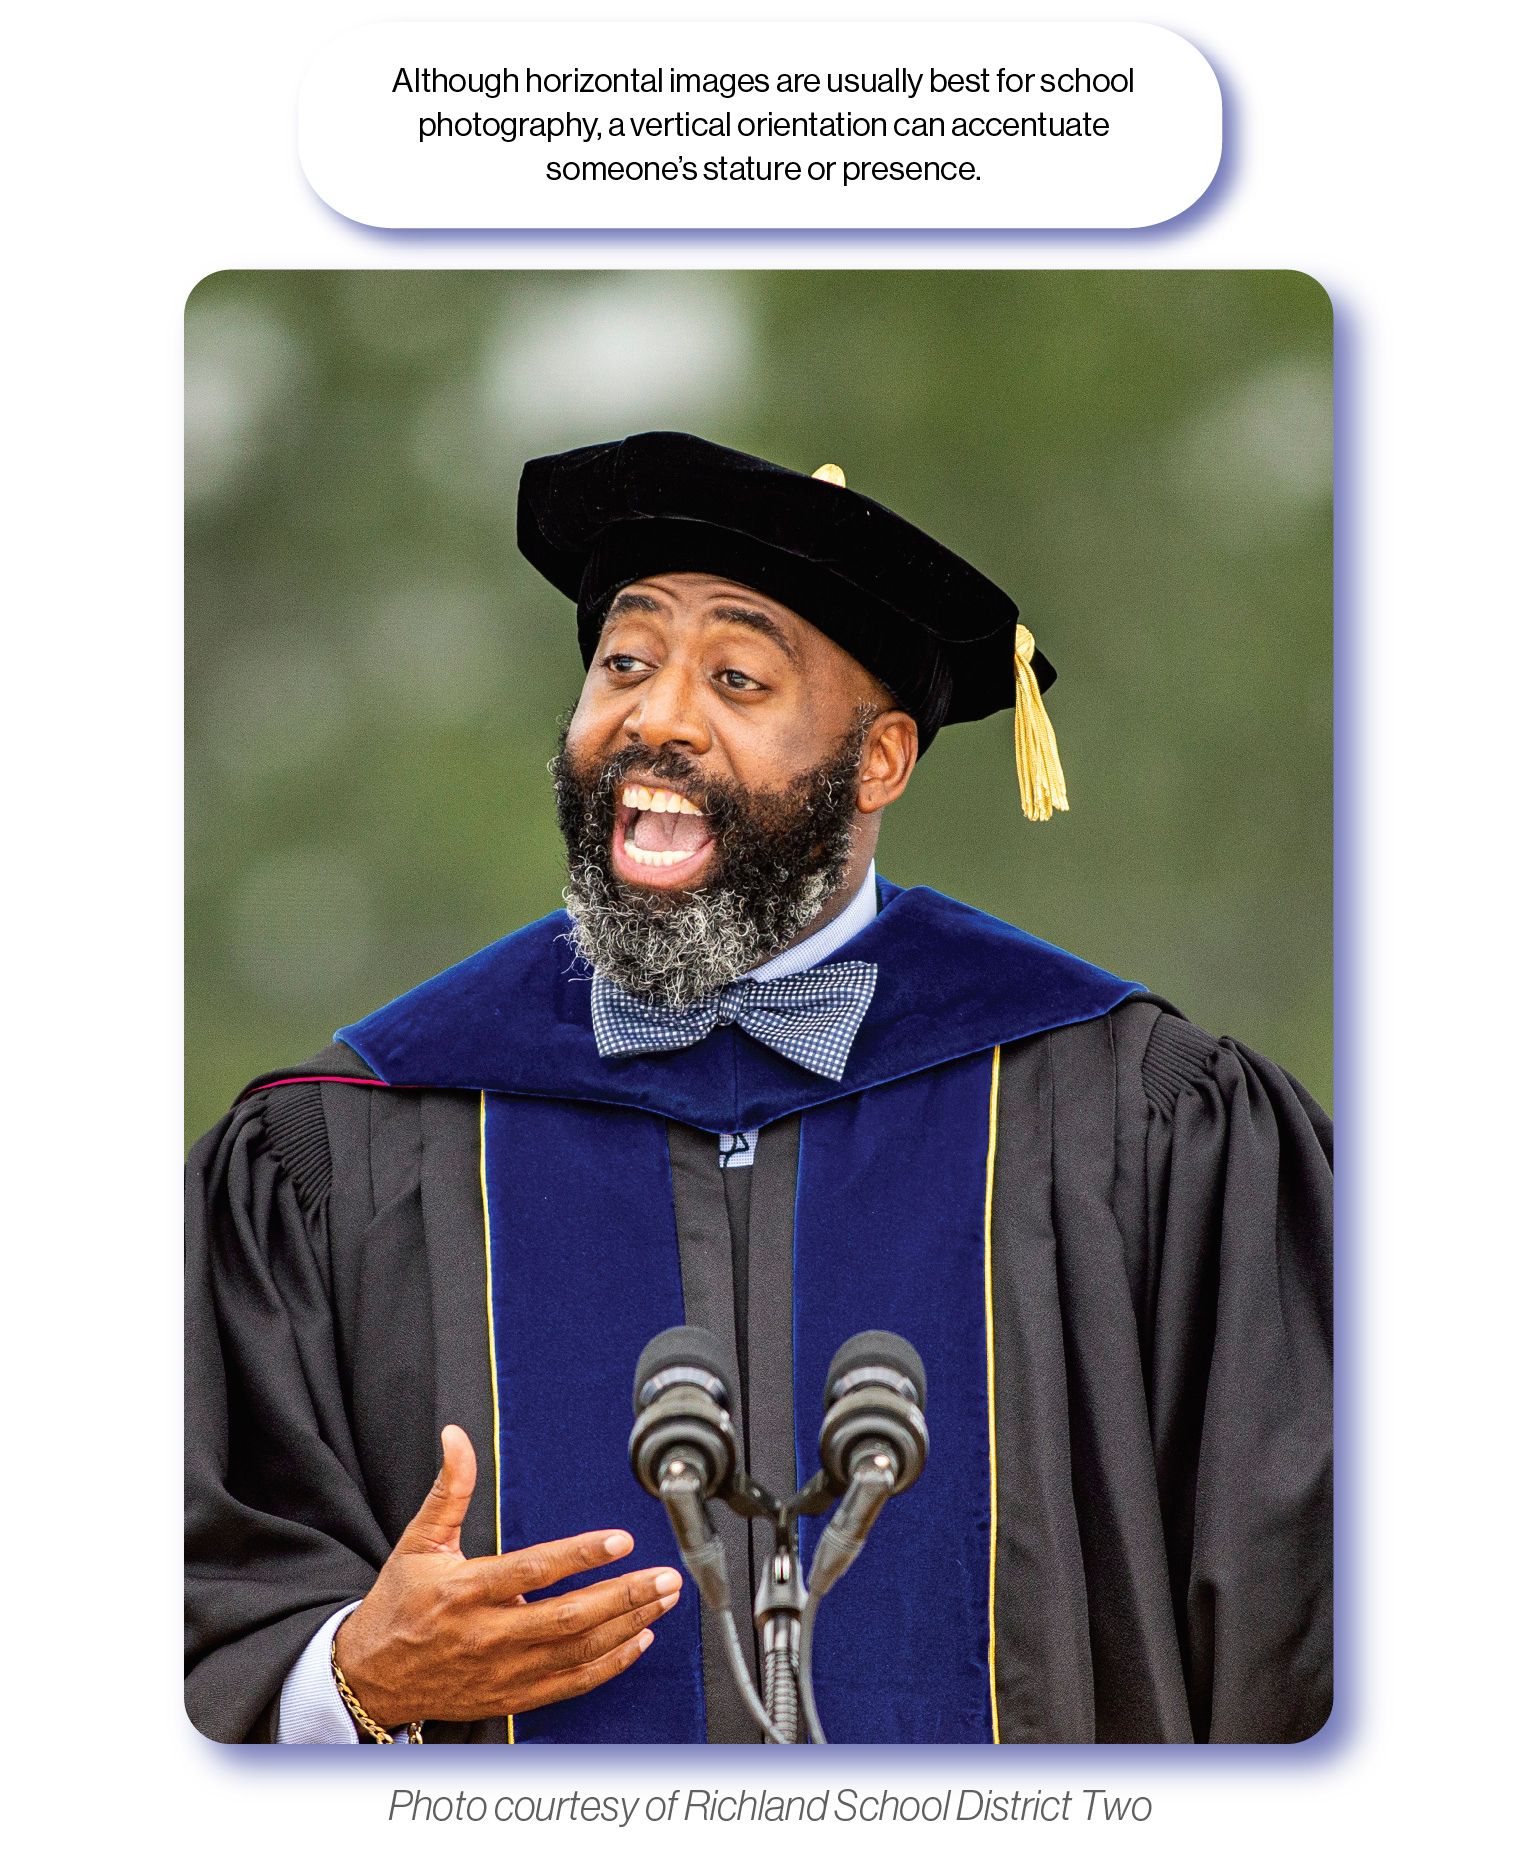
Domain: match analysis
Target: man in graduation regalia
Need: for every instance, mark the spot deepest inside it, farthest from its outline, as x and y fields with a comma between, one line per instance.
x=746, y=1083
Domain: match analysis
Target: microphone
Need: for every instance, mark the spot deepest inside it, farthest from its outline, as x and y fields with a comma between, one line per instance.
x=875, y=1389
x=873, y=1445
x=684, y=1450
x=683, y=1395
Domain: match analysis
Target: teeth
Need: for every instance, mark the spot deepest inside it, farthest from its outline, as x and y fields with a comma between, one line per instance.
x=637, y=854
x=659, y=800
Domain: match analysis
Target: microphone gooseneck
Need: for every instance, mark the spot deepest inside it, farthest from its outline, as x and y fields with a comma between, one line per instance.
x=804, y=1674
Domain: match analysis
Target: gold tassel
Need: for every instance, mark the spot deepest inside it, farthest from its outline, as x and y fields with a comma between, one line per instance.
x=1040, y=778
x=829, y=472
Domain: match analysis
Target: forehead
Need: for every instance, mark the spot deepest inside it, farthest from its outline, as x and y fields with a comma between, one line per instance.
x=683, y=593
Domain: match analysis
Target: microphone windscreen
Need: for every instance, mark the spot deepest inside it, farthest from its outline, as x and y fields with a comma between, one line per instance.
x=875, y=1347
x=683, y=1346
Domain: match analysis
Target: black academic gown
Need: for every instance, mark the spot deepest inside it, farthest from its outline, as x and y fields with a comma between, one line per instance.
x=1158, y=1276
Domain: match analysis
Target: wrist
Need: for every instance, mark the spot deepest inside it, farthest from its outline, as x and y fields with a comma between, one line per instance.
x=352, y=1668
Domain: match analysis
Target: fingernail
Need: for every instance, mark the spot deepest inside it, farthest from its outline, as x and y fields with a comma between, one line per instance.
x=666, y=1582
x=668, y=1602
x=619, y=1544
x=645, y=1640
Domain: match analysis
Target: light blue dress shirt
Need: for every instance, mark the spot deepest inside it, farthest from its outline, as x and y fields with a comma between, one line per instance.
x=310, y=1708
x=736, y=1149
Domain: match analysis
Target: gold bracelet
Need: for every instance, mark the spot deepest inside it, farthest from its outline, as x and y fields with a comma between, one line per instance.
x=361, y=1717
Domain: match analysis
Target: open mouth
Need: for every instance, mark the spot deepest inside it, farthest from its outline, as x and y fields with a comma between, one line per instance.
x=660, y=837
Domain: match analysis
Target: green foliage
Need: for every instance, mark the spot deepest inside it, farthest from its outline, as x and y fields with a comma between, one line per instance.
x=375, y=678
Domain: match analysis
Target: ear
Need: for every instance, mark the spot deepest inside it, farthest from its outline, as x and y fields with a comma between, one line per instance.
x=890, y=754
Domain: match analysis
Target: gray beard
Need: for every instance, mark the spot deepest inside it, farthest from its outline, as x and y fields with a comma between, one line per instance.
x=695, y=945
x=782, y=857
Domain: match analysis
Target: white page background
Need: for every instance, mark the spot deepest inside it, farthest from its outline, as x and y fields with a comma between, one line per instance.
x=152, y=145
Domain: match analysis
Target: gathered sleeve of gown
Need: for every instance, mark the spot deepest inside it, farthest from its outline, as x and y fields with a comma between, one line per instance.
x=1239, y=1305
x=279, y=1528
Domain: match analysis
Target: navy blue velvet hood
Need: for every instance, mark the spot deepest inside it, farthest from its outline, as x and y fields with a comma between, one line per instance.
x=515, y=1019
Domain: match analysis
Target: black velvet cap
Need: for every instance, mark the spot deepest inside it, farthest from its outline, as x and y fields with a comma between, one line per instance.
x=936, y=632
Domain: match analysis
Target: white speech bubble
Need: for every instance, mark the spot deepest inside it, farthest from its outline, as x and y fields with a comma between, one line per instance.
x=760, y=125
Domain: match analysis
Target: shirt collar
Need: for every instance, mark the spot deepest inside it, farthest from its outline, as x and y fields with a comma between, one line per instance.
x=838, y=931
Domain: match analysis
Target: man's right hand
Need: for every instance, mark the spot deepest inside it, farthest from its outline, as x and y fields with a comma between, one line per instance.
x=441, y=1636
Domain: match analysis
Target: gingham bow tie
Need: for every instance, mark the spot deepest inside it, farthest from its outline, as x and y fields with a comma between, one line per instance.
x=810, y=1017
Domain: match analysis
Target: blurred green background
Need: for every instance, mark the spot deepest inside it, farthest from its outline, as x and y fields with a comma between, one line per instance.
x=1143, y=459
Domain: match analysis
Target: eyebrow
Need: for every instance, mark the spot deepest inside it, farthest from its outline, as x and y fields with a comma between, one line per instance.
x=630, y=602
x=720, y=614
x=755, y=621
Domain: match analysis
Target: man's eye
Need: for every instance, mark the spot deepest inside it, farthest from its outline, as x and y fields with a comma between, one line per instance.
x=738, y=680
x=622, y=663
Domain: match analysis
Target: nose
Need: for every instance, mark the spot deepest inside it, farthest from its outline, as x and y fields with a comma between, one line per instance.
x=668, y=712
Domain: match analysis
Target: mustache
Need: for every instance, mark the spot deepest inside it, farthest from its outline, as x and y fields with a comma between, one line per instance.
x=725, y=805
x=668, y=764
